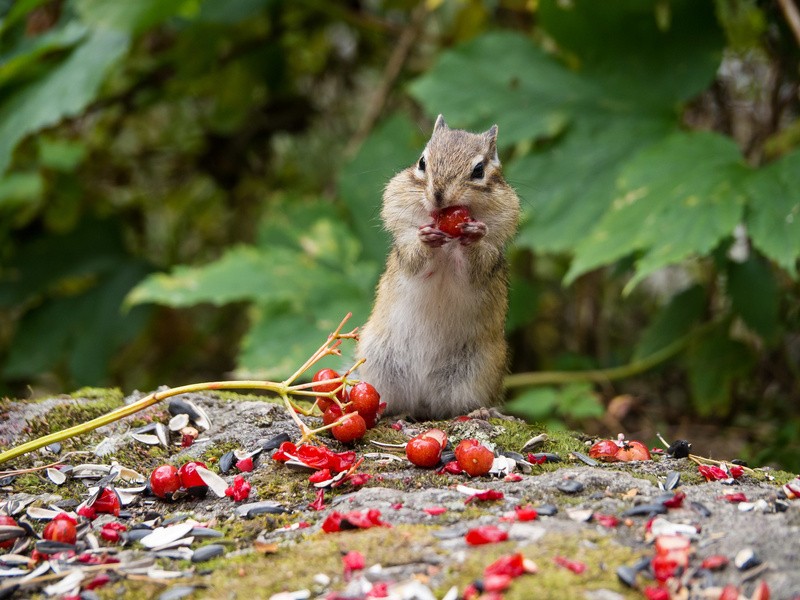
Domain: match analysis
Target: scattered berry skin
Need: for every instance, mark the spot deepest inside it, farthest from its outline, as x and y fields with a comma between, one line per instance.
x=449, y=220
x=424, y=451
x=351, y=429
x=107, y=502
x=485, y=534
x=189, y=477
x=111, y=531
x=364, y=399
x=7, y=520
x=474, y=458
x=239, y=490
x=165, y=481
x=322, y=375
x=61, y=529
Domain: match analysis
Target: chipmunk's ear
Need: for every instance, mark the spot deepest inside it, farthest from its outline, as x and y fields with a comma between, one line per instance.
x=491, y=140
x=440, y=124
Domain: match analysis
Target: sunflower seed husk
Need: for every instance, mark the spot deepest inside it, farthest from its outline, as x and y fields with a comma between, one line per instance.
x=177, y=592
x=162, y=536
x=645, y=510
x=570, y=486
x=67, y=585
x=91, y=471
x=55, y=447
x=546, y=510
x=148, y=439
x=56, y=476
x=216, y=483
x=537, y=440
x=746, y=558
x=275, y=442
x=673, y=480
x=585, y=459
x=208, y=552
x=11, y=532
x=42, y=514
x=51, y=547
x=252, y=509
x=178, y=422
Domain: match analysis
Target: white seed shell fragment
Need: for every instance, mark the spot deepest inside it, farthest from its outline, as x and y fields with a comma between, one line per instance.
x=56, y=476
x=146, y=438
x=217, y=484
x=166, y=535
x=178, y=422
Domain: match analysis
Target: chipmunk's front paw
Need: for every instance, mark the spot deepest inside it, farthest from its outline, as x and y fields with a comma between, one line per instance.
x=432, y=237
x=471, y=232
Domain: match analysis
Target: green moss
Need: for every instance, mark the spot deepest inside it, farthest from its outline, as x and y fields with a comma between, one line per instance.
x=92, y=393
x=551, y=581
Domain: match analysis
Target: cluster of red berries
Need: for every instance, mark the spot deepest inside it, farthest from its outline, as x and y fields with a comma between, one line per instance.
x=620, y=450
x=167, y=479
x=425, y=450
x=362, y=402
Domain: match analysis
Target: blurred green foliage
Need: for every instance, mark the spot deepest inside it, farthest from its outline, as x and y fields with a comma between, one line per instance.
x=190, y=188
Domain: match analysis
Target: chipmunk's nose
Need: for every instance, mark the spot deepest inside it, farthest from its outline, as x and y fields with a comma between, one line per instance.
x=438, y=198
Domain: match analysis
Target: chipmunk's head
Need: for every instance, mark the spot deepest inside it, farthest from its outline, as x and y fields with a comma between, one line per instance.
x=457, y=167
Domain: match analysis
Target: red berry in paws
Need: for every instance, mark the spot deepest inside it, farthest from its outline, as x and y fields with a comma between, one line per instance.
x=364, y=399
x=474, y=458
x=351, y=429
x=165, y=481
x=449, y=220
x=424, y=451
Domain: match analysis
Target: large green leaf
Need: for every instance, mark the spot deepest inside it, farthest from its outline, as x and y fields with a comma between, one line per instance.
x=675, y=199
x=62, y=92
x=566, y=189
x=774, y=211
x=392, y=146
x=674, y=321
x=530, y=96
x=130, y=17
x=714, y=361
x=31, y=50
x=645, y=55
x=755, y=295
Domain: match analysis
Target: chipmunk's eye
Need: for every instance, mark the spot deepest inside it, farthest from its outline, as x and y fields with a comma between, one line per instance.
x=477, y=172
x=421, y=165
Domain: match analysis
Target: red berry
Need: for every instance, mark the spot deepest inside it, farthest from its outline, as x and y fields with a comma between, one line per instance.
x=188, y=475
x=323, y=402
x=474, y=458
x=351, y=429
x=61, y=529
x=165, y=481
x=7, y=520
x=322, y=375
x=633, y=451
x=364, y=399
x=424, y=451
x=107, y=502
x=605, y=450
x=449, y=220
x=436, y=434
x=332, y=414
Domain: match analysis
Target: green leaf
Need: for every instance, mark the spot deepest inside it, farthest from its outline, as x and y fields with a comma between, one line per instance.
x=529, y=97
x=535, y=404
x=634, y=57
x=391, y=147
x=62, y=92
x=675, y=199
x=17, y=189
x=566, y=189
x=60, y=155
x=673, y=322
x=579, y=401
x=82, y=331
x=31, y=50
x=755, y=294
x=773, y=220
x=713, y=362
x=129, y=17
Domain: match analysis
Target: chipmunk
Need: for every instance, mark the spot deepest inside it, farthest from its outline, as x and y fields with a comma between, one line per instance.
x=434, y=343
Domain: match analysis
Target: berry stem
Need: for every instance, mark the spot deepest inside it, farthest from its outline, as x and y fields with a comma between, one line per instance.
x=282, y=389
